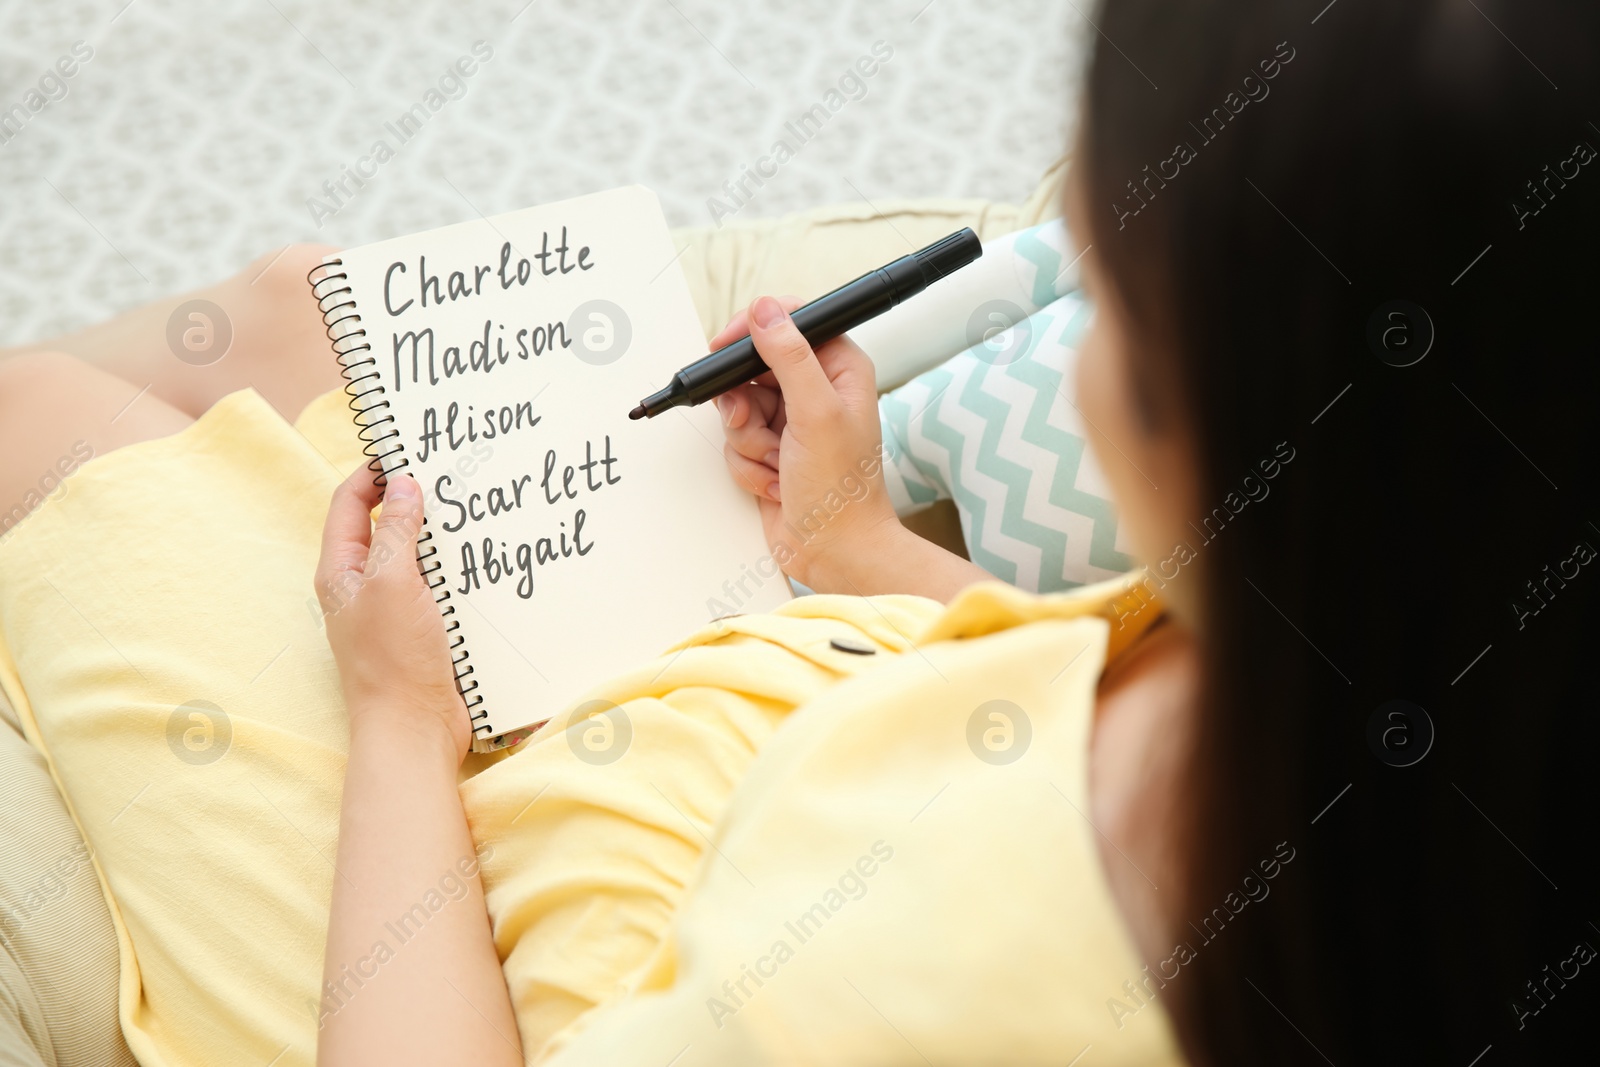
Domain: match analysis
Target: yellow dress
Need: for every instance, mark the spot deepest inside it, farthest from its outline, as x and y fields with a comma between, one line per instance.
x=802, y=854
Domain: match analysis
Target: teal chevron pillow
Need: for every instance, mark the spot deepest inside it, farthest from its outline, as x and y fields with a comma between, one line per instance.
x=996, y=429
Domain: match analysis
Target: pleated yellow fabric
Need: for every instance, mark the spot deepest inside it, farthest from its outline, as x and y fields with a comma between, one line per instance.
x=171, y=580
x=884, y=879
x=934, y=883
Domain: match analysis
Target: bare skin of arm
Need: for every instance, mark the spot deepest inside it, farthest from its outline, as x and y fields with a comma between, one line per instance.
x=439, y=995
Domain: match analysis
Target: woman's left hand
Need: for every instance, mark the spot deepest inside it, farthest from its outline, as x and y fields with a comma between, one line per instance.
x=383, y=624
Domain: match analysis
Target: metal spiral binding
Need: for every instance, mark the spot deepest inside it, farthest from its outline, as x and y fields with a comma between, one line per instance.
x=380, y=436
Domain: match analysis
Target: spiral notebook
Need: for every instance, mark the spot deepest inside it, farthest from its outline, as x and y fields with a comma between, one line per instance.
x=496, y=362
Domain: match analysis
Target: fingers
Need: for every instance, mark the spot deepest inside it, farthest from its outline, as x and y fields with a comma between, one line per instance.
x=747, y=414
x=739, y=325
x=851, y=371
x=842, y=354
x=394, y=536
x=758, y=479
x=807, y=392
x=734, y=408
x=353, y=548
x=346, y=535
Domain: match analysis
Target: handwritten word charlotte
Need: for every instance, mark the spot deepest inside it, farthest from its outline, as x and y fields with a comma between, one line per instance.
x=405, y=289
x=564, y=474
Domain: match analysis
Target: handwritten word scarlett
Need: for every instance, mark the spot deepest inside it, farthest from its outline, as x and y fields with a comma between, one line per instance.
x=501, y=499
x=456, y=287
x=487, y=563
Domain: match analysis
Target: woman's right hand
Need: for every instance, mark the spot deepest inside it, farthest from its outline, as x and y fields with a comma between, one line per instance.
x=805, y=441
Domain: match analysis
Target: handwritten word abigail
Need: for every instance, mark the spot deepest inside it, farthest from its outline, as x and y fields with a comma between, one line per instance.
x=487, y=561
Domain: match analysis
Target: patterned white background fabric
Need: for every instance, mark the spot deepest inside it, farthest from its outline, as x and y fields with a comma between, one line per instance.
x=191, y=141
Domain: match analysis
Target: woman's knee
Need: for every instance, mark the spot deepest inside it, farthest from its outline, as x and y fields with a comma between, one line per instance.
x=57, y=411
x=279, y=342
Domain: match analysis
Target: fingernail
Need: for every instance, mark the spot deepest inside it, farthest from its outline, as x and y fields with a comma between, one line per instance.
x=771, y=459
x=725, y=406
x=772, y=491
x=767, y=312
x=401, y=487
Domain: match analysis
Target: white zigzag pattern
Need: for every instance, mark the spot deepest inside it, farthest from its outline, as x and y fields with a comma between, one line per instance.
x=901, y=472
x=1089, y=478
x=1041, y=464
x=992, y=491
x=1053, y=235
x=1019, y=398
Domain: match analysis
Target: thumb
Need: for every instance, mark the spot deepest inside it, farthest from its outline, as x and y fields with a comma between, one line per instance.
x=807, y=392
x=394, y=535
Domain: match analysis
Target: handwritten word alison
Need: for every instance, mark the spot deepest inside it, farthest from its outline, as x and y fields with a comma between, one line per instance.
x=463, y=428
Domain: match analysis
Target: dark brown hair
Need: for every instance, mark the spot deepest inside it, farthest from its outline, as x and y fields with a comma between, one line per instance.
x=1368, y=235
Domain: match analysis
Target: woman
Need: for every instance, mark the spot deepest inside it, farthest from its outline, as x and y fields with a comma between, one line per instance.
x=1294, y=866
x=1277, y=426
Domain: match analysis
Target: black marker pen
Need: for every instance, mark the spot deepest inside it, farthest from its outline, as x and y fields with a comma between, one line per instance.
x=819, y=321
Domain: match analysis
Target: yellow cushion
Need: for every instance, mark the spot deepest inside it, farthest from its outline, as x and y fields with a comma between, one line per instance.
x=159, y=650
x=58, y=949
x=907, y=862
x=810, y=252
